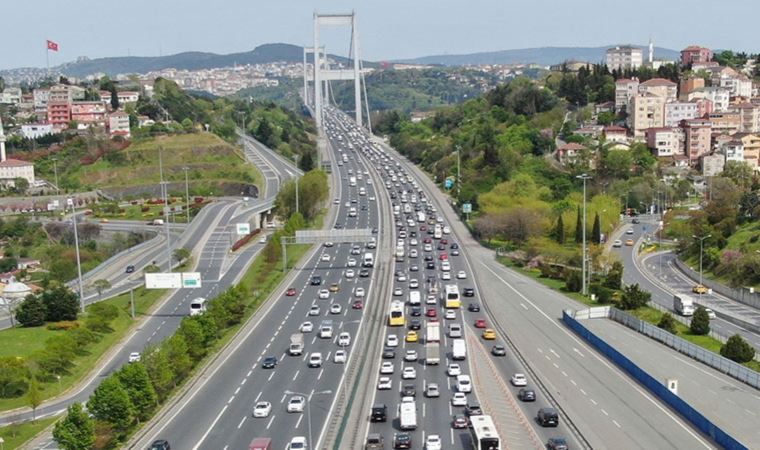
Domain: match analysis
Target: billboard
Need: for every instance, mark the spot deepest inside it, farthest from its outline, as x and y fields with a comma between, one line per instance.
x=173, y=280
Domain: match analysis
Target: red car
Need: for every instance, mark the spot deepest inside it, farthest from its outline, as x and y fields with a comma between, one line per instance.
x=480, y=323
x=443, y=256
x=427, y=240
x=431, y=312
x=291, y=292
x=444, y=241
x=358, y=305
x=423, y=227
x=460, y=421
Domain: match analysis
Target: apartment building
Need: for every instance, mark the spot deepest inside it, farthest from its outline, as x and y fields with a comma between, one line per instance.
x=689, y=85
x=89, y=113
x=697, y=135
x=749, y=117
x=661, y=87
x=646, y=111
x=624, y=57
x=720, y=97
x=695, y=54
x=665, y=141
x=675, y=112
x=625, y=88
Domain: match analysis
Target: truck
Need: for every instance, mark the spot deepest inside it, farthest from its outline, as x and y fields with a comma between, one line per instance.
x=432, y=332
x=352, y=181
x=683, y=305
x=432, y=353
x=459, y=350
x=296, y=344
x=408, y=414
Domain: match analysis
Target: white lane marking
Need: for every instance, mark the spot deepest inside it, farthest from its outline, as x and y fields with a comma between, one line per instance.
x=524, y=307
x=213, y=424
x=616, y=424
x=605, y=412
x=300, y=417
x=241, y=422
x=270, y=422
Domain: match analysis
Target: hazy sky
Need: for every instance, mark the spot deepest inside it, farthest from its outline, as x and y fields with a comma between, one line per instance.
x=387, y=28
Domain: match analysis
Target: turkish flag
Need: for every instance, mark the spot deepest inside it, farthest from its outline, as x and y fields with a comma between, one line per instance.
x=52, y=45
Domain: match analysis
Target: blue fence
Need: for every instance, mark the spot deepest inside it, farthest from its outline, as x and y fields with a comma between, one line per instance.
x=684, y=409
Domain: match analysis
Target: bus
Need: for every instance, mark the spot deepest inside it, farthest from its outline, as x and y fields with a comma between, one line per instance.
x=483, y=433
x=452, y=296
x=396, y=314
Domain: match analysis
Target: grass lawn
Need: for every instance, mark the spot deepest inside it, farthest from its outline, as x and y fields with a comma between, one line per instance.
x=557, y=285
x=25, y=341
x=17, y=434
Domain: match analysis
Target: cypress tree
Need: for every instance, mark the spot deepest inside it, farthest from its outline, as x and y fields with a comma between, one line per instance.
x=559, y=231
x=596, y=231
x=579, y=228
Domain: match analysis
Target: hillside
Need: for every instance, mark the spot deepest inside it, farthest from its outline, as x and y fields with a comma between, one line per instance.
x=541, y=55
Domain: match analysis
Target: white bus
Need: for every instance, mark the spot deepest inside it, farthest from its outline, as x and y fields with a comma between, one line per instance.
x=197, y=306
x=483, y=433
x=451, y=298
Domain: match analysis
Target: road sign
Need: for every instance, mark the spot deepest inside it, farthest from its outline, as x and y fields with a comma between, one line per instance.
x=243, y=228
x=467, y=208
x=162, y=280
x=449, y=183
x=191, y=279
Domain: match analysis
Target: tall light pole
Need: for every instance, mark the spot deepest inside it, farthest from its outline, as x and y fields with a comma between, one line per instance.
x=76, y=245
x=296, y=159
x=55, y=170
x=308, y=409
x=701, y=242
x=459, y=171
x=187, y=195
x=584, y=177
x=164, y=192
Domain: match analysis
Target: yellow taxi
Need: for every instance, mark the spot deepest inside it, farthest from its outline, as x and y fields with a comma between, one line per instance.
x=334, y=287
x=699, y=289
x=489, y=334
x=412, y=336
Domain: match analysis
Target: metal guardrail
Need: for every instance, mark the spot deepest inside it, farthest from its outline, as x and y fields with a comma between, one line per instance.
x=741, y=295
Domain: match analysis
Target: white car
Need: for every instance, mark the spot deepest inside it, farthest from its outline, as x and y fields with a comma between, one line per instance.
x=262, y=409
x=411, y=355
x=428, y=248
x=134, y=357
x=335, y=308
x=325, y=257
x=296, y=404
x=336, y=201
x=414, y=283
x=372, y=198
x=297, y=443
x=315, y=359
x=446, y=276
x=306, y=327
x=401, y=277
x=344, y=339
x=464, y=384
x=391, y=341
x=446, y=230
x=314, y=310
x=340, y=357
x=359, y=292
x=409, y=373
x=450, y=314
x=350, y=273
x=413, y=253
x=386, y=368
x=351, y=262
x=384, y=383
x=413, y=242
x=459, y=399
x=324, y=293
x=328, y=244
x=519, y=379
x=398, y=291
x=454, y=370
x=461, y=275
x=433, y=442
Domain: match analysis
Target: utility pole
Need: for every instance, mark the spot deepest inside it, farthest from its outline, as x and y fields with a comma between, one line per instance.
x=701, y=242
x=55, y=170
x=296, y=158
x=166, y=209
x=584, y=177
x=79, y=261
x=187, y=195
x=459, y=172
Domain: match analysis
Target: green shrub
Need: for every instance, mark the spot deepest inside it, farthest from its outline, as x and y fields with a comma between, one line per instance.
x=63, y=325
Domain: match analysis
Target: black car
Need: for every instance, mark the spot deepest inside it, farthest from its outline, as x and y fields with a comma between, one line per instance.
x=338, y=226
x=130, y=269
x=379, y=413
x=473, y=409
x=374, y=231
x=473, y=307
x=526, y=395
x=430, y=265
x=498, y=350
x=468, y=292
x=160, y=444
x=408, y=391
x=316, y=280
x=454, y=246
x=441, y=247
x=402, y=440
x=415, y=324
x=557, y=443
x=548, y=417
x=428, y=257
x=364, y=273
x=416, y=311
x=635, y=221
x=389, y=353
x=269, y=362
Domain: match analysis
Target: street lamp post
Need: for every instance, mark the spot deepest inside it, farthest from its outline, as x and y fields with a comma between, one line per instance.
x=584, y=177
x=296, y=159
x=187, y=195
x=76, y=245
x=308, y=408
x=55, y=170
x=701, y=242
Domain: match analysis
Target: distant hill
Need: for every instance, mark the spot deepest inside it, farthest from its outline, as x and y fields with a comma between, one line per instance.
x=541, y=55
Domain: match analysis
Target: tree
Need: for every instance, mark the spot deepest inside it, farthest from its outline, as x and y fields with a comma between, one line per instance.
x=633, y=297
x=61, y=303
x=114, y=98
x=596, y=231
x=101, y=285
x=31, y=312
x=192, y=332
x=579, y=227
x=181, y=254
x=76, y=431
x=737, y=349
x=614, y=276
x=135, y=379
x=179, y=356
x=700, y=322
x=573, y=280
x=13, y=376
x=161, y=375
x=668, y=323
x=559, y=230
x=187, y=125
x=34, y=396
x=8, y=264
x=110, y=403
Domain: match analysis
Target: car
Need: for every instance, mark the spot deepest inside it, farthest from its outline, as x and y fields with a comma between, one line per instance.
x=446, y=276
x=450, y=314
x=411, y=355
x=316, y=281
x=328, y=244
x=464, y=384
x=629, y=242
x=324, y=294
x=432, y=390
x=459, y=399
x=130, y=268
x=134, y=357
x=350, y=273
x=334, y=287
x=473, y=307
x=635, y=221
x=699, y=289
x=270, y=362
x=415, y=311
x=455, y=252
x=408, y=390
x=617, y=243
x=459, y=422
x=433, y=442
x=344, y=339
x=160, y=444
x=430, y=265
x=358, y=304
x=315, y=359
x=340, y=357
x=262, y=409
x=431, y=312
x=415, y=323
x=489, y=334
x=461, y=275
x=402, y=440
x=335, y=308
x=629, y=231
x=363, y=273
x=480, y=323
x=710, y=313
x=325, y=257
x=314, y=310
x=518, y=379
x=290, y=292
x=413, y=283
x=443, y=256
x=306, y=327
x=296, y=404
x=401, y=277
x=411, y=336
x=526, y=395
x=359, y=292
x=389, y=353
x=351, y=262
x=409, y=373
x=557, y=443
x=336, y=201
x=386, y=368
x=397, y=291
x=297, y=443
x=454, y=370
x=498, y=350
x=375, y=441
x=473, y=409
x=384, y=383
x=468, y=292
x=391, y=340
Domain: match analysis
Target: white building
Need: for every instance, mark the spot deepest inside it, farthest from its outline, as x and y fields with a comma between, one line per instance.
x=11, y=96
x=10, y=169
x=624, y=57
x=36, y=130
x=720, y=97
x=625, y=89
x=675, y=112
x=733, y=150
x=118, y=124
x=738, y=85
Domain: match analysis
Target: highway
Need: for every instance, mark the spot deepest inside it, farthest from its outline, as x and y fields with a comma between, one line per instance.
x=219, y=416
x=658, y=275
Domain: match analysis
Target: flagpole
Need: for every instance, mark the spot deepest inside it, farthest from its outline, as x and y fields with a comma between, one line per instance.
x=47, y=58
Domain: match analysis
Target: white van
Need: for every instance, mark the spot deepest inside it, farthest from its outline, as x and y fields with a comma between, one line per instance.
x=455, y=330
x=197, y=306
x=459, y=350
x=362, y=191
x=414, y=298
x=369, y=260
